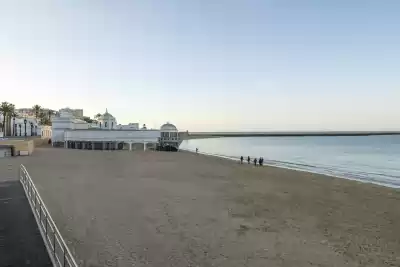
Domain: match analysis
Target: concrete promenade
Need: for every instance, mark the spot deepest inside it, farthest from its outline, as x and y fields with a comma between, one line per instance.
x=180, y=209
x=20, y=241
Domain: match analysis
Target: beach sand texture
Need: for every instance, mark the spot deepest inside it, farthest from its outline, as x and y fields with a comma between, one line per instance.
x=181, y=209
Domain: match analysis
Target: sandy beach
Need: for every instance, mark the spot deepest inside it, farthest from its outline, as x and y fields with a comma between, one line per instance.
x=181, y=209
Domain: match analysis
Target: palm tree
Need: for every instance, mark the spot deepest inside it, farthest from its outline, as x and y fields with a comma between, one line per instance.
x=51, y=113
x=37, y=109
x=9, y=116
x=5, y=108
x=14, y=115
x=43, y=117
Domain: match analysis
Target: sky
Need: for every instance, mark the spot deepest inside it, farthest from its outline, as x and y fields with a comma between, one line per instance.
x=207, y=65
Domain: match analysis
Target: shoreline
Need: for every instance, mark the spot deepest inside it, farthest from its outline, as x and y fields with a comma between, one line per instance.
x=266, y=164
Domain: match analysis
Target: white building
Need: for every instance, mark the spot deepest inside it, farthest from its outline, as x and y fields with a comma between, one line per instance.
x=107, y=121
x=169, y=137
x=77, y=112
x=69, y=132
x=20, y=126
x=46, y=131
x=130, y=126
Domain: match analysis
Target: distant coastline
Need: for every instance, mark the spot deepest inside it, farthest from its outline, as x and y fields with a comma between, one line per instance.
x=198, y=135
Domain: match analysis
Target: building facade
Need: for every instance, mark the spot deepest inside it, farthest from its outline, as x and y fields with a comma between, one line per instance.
x=46, y=132
x=169, y=137
x=20, y=126
x=70, y=132
x=77, y=113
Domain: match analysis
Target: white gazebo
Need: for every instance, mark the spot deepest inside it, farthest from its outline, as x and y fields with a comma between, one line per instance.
x=169, y=137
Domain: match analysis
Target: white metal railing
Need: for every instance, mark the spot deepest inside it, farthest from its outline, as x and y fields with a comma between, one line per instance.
x=56, y=247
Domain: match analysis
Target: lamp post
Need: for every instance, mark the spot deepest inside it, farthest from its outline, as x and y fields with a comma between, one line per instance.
x=31, y=129
x=35, y=130
x=25, y=121
x=19, y=129
x=14, y=133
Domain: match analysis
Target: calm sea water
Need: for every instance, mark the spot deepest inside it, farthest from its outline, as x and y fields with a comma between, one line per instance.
x=373, y=159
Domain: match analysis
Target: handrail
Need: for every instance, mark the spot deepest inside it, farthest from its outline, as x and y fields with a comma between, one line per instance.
x=58, y=251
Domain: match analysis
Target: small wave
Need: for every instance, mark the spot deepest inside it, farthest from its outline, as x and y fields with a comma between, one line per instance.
x=382, y=179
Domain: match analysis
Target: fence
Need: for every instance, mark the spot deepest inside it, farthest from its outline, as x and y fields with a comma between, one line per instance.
x=56, y=247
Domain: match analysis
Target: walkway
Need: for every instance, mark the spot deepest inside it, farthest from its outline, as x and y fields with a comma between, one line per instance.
x=20, y=241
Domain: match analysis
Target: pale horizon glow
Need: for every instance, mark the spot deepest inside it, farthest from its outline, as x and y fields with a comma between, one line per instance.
x=205, y=65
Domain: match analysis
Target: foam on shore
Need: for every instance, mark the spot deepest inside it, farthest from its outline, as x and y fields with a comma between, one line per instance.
x=360, y=176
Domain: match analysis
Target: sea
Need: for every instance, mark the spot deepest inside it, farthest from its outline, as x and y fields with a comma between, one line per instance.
x=373, y=159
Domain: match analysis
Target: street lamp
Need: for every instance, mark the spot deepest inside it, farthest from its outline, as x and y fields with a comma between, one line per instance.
x=19, y=129
x=25, y=121
x=35, y=130
x=31, y=128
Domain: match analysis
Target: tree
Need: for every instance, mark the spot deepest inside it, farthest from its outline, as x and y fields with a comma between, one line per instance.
x=5, y=109
x=37, y=109
x=9, y=116
x=50, y=112
x=87, y=119
x=14, y=114
x=44, y=119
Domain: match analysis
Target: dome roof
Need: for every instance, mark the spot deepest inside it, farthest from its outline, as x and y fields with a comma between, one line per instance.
x=106, y=116
x=168, y=127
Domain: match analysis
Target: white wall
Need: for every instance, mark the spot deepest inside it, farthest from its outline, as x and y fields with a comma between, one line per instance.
x=116, y=135
x=57, y=135
x=81, y=126
x=130, y=126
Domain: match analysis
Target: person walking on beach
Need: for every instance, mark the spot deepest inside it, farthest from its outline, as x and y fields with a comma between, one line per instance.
x=197, y=150
x=261, y=161
x=255, y=161
x=248, y=159
x=241, y=159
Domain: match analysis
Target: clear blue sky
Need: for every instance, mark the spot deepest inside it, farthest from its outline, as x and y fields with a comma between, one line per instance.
x=208, y=64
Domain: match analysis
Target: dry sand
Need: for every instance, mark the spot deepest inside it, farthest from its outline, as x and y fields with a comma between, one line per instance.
x=180, y=209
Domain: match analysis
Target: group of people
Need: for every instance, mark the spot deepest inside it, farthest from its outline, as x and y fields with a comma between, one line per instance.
x=256, y=161
x=260, y=161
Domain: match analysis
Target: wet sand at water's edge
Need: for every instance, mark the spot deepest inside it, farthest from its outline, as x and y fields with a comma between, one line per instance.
x=180, y=209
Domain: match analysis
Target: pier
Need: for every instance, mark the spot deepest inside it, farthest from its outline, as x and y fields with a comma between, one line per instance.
x=200, y=135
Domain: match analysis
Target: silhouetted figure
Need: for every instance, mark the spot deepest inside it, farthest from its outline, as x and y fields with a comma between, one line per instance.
x=248, y=160
x=255, y=161
x=241, y=159
x=261, y=161
x=197, y=150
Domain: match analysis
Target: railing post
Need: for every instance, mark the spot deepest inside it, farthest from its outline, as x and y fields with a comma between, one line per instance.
x=54, y=243
x=31, y=192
